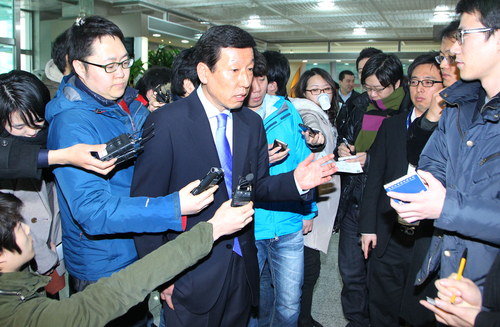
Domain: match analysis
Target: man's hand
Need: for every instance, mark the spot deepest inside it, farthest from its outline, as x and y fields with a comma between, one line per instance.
x=192, y=204
x=425, y=205
x=436, y=108
x=307, y=226
x=467, y=302
x=79, y=155
x=166, y=296
x=366, y=240
x=275, y=155
x=318, y=139
x=228, y=220
x=309, y=174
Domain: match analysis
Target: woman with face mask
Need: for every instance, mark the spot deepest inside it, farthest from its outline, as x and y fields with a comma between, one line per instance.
x=317, y=104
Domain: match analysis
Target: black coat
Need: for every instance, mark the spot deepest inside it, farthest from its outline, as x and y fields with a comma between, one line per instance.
x=353, y=184
x=389, y=162
x=182, y=151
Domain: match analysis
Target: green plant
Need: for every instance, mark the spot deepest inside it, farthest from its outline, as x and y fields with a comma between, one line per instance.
x=136, y=71
x=163, y=56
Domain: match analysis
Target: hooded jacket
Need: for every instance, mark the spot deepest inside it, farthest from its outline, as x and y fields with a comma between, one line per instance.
x=282, y=218
x=23, y=301
x=97, y=213
x=463, y=153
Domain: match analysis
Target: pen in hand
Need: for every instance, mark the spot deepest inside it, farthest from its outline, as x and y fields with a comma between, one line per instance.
x=348, y=148
x=460, y=270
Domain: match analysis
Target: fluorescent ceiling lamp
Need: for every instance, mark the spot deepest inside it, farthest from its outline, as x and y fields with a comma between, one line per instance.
x=326, y=4
x=338, y=60
x=157, y=35
x=184, y=41
x=253, y=22
x=315, y=64
x=304, y=60
x=359, y=31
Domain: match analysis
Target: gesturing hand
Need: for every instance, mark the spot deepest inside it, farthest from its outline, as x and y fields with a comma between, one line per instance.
x=310, y=174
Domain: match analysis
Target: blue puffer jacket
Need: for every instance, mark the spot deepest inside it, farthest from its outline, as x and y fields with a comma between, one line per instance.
x=97, y=213
x=466, y=159
x=282, y=218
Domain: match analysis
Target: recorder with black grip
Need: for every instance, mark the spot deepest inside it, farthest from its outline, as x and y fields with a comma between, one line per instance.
x=213, y=177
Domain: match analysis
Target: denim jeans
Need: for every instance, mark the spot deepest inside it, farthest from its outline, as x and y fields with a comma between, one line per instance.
x=281, y=264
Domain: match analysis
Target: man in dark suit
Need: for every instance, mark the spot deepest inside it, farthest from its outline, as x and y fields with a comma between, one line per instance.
x=346, y=96
x=221, y=289
x=391, y=238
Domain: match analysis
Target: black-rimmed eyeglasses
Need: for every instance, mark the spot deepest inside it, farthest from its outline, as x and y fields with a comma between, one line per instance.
x=425, y=82
x=113, y=67
x=459, y=35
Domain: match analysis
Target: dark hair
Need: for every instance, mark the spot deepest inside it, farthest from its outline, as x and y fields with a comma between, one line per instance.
x=343, y=73
x=10, y=217
x=366, y=53
x=386, y=67
x=153, y=77
x=60, y=50
x=22, y=92
x=423, y=59
x=260, y=64
x=83, y=34
x=301, y=86
x=449, y=31
x=184, y=67
x=278, y=70
x=217, y=37
x=489, y=12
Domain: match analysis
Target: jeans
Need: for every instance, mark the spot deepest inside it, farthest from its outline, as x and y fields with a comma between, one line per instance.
x=281, y=264
x=352, y=266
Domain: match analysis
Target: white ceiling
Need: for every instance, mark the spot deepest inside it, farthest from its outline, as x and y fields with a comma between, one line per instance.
x=299, y=22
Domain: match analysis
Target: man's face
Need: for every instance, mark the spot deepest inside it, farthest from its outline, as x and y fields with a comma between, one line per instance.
x=13, y=261
x=228, y=85
x=347, y=84
x=258, y=91
x=477, y=57
x=361, y=64
x=450, y=72
x=421, y=96
x=106, y=50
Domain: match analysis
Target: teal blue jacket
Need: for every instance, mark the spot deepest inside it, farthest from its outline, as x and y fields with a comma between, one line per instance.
x=281, y=121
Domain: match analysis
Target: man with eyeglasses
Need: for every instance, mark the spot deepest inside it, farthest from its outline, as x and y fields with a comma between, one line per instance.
x=459, y=162
x=98, y=216
x=392, y=239
x=382, y=77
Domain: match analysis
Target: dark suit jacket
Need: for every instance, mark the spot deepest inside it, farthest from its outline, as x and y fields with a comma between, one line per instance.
x=344, y=111
x=389, y=162
x=182, y=151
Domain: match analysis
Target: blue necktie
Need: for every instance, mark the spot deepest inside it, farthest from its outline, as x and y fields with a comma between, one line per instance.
x=226, y=161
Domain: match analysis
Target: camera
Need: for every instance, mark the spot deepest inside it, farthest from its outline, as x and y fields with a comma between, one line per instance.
x=243, y=193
